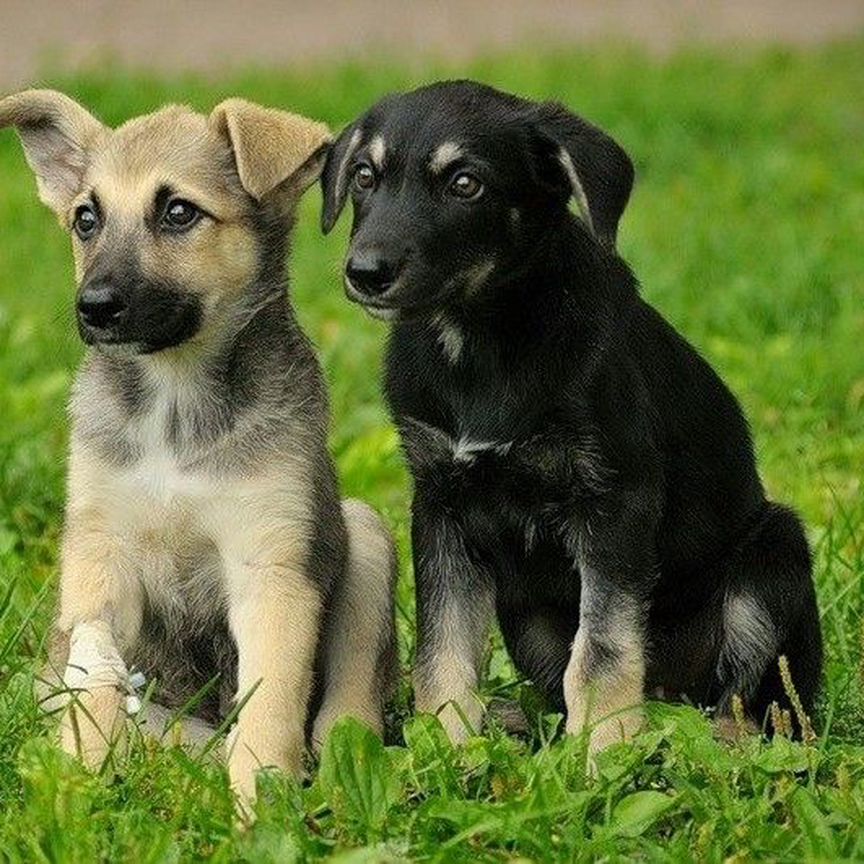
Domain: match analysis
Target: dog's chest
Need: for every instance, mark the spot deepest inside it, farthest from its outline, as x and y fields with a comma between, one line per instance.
x=518, y=499
x=161, y=502
x=158, y=501
x=161, y=479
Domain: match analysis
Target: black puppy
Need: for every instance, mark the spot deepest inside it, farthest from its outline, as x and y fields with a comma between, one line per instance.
x=580, y=470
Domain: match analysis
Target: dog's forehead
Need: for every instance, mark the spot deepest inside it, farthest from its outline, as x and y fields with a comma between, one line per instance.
x=439, y=123
x=173, y=143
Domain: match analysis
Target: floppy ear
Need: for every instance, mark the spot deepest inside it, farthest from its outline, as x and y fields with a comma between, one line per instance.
x=57, y=134
x=591, y=167
x=334, y=183
x=271, y=146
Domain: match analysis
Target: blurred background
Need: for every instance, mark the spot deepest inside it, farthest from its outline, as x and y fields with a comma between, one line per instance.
x=220, y=35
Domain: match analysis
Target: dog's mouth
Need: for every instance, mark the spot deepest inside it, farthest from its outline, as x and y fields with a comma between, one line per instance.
x=132, y=340
x=120, y=349
x=129, y=314
x=107, y=338
x=389, y=310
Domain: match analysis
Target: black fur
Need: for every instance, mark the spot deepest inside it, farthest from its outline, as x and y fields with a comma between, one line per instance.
x=622, y=477
x=149, y=313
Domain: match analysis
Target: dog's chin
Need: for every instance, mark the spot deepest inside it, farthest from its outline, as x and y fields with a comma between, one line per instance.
x=119, y=349
x=383, y=313
x=394, y=312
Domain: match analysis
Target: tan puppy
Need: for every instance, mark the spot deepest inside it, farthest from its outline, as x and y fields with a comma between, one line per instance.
x=204, y=532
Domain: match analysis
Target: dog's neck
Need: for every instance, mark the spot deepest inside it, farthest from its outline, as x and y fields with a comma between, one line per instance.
x=190, y=396
x=567, y=276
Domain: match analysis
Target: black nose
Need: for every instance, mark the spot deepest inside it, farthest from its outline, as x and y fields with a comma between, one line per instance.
x=370, y=274
x=100, y=305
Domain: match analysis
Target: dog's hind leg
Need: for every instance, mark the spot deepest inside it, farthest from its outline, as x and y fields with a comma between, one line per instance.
x=359, y=651
x=769, y=610
x=162, y=723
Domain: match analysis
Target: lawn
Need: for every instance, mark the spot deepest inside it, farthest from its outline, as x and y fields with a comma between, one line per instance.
x=746, y=231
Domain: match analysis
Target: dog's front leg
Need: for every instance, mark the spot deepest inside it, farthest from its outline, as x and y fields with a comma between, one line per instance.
x=101, y=607
x=605, y=677
x=274, y=614
x=455, y=605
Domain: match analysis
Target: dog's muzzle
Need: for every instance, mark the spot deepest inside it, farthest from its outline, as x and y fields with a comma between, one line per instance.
x=370, y=275
x=102, y=310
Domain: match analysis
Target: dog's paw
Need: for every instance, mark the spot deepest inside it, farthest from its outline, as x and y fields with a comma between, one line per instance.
x=93, y=726
x=462, y=721
x=248, y=754
x=330, y=714
x=616, y=729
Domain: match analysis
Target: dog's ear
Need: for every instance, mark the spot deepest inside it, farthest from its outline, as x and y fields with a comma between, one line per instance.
x=586, y=164
x=334, y=182
x=58, y=135
x=271, y=146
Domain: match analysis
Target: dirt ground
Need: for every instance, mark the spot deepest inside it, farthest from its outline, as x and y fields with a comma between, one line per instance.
x=206, y=35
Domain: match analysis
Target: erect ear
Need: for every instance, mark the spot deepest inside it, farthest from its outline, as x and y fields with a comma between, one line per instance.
x=58, y=136
x=591, y=167
x=334, y=182
x=271, y=146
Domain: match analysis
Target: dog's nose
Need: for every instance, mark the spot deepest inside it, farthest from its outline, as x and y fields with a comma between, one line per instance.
x=100, y=305
x=369, y=273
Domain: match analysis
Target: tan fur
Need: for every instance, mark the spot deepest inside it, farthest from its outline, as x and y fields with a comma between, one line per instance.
x=209, y=528
x=57, y=133
x=449, y=687
x=274, y=614
x=446, y=154
x=271, y=145
x=377, y=152
x=609, y=706
x=357, y=685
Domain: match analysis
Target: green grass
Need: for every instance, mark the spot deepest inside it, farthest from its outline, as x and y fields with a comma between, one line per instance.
x=745, y=229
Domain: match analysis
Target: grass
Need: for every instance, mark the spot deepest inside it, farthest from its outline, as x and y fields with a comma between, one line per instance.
x=745, y=229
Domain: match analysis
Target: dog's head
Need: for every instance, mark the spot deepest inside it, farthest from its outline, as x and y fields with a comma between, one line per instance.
x=453, y=186
x=178, y=221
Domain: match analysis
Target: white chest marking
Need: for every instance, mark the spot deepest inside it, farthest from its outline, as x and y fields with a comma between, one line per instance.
x=157, y=471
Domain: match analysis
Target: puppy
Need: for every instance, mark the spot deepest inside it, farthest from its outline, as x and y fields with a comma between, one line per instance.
x=204, y=532
x=580, y=471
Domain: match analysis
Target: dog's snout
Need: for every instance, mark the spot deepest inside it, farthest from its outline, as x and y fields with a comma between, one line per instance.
x=370, y=273
x=101, y=305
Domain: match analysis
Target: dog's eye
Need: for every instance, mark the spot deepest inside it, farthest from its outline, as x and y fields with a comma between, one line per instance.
x=179, y=215
x=86, y=222
x=465, y=186
x=364, y=177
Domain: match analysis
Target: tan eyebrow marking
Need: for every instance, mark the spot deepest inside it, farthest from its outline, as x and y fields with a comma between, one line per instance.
x=446, y=153
x=377, y=151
